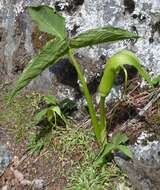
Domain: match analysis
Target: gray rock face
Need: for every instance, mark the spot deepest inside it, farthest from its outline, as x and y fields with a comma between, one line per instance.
x=5, y=158
x=20, y=39
x=141, y=16
x=144, y=170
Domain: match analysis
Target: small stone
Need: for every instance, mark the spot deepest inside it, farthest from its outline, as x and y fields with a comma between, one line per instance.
x=26, y=182
x=18, y=175
x=38, y=183
x=15, y=160
x=5, y=158
x=122, y=186
x=5, y=187
x=20, y=178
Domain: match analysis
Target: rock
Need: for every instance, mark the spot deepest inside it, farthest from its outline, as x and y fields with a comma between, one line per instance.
x=66, y=74
x=20, y=39
x=5, y=187
x=144, y=170
x=5, y=158
x=122, y=186
x=18, y=175
x=25, y=182
x=20, y=178
x=38, y=183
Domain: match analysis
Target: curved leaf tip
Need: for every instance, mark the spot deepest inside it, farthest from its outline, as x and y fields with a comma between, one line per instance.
x=114, y=64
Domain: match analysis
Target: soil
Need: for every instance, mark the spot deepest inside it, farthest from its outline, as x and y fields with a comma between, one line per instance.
x=50, y=165
x=46, y=165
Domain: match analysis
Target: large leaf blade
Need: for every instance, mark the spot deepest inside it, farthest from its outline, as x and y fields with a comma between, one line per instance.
x=49, y=54
x=48, y=20
x=114, y=64
x=101, y=35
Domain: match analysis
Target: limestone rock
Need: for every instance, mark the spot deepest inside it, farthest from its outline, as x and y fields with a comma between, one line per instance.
x=20, y=39
x=144, y=170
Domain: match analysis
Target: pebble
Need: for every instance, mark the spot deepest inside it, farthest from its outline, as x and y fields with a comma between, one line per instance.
x=38, y=183
x=5, y=187
x=5, y=158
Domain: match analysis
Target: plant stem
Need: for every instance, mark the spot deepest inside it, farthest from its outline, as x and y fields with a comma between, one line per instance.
x=125, y=82
x=86, y=93
x=103, y=119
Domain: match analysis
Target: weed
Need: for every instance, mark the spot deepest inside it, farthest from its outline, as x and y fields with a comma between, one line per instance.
x=90, y=178
x=55, y=112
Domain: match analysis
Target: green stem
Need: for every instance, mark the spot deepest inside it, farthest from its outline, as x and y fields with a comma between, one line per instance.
x=125, y=82
x=103, y=119
x=86, y=93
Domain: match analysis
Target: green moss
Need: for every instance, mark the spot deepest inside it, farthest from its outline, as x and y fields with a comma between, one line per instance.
x=18, y=117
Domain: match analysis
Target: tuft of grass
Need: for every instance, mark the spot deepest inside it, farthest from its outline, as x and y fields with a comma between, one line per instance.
x=89, y=177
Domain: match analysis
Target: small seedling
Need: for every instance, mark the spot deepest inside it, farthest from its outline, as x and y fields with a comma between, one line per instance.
x=116, y=144
x=55, y=112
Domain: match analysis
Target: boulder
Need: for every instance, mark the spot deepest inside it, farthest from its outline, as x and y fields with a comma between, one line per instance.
x=144, y=170
x=20, y=39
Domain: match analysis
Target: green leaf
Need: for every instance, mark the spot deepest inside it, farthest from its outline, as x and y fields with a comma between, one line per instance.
x=125, y=150
x=67, y=106
x=50, y=53
x=49, y=20
x=106, y=151
x=57, y=110
x=100, y=35
x=50, y=115
x=119, y=138
x=41, y=115
x=114, y=65
x=50, y=99
x=156, y=80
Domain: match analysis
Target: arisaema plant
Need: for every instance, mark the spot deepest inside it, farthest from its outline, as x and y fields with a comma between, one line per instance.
x=51, y=22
